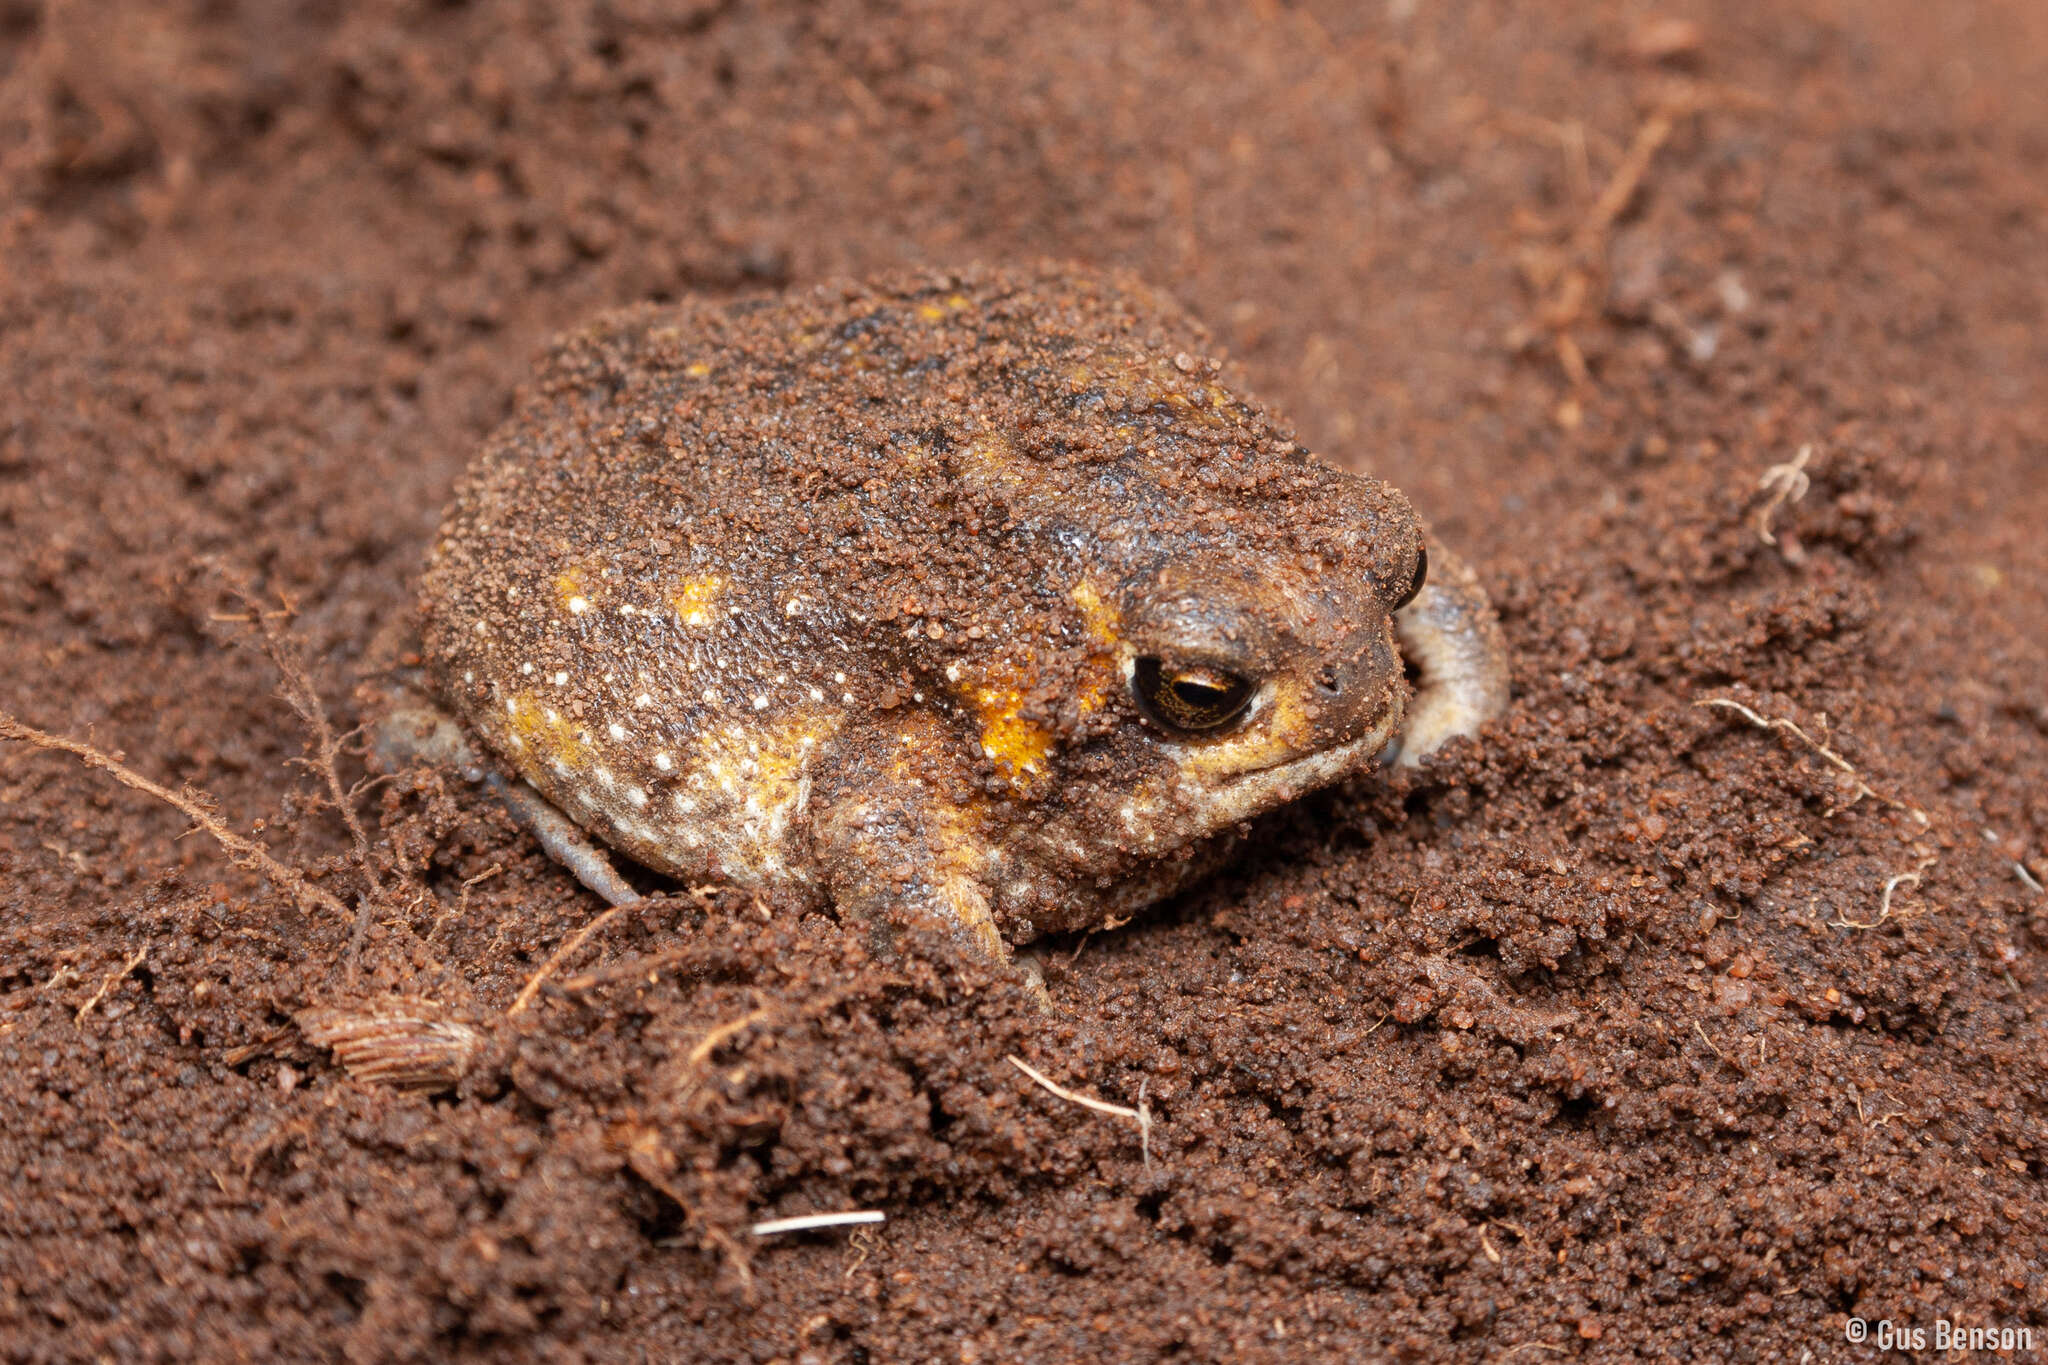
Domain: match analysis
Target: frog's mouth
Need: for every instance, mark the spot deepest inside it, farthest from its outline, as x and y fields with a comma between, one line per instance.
x=1255, y=791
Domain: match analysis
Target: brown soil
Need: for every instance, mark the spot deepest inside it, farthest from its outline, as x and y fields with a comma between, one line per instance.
x=1639, y=1029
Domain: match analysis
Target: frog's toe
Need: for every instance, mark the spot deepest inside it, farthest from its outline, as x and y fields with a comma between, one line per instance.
x=1452, y=636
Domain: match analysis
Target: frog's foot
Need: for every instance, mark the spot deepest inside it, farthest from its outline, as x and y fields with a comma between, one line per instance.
x=414, y=731
x=1451, y=635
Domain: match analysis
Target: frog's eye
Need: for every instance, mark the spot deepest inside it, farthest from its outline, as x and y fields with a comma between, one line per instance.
x=1192, y=697
x=1415, y=583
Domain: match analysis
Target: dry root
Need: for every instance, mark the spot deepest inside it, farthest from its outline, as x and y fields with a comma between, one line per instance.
x=1859, y=789
x=195, y=806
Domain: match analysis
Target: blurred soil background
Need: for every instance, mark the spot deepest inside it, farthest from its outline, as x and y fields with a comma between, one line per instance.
x=1647, y=1028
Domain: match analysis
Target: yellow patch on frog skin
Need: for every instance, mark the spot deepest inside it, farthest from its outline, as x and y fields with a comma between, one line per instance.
x=747, y=785
x=571, y=590
x=1282, y=732
x=1016, y=743
x=992, y=455
x=1101, y=618
x=697, y=369
x=694, y=597
x=545, y=736
x=932, y=312
x=1010, y=740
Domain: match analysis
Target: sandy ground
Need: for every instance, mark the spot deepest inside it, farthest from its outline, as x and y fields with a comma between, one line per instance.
x=1695, y=1012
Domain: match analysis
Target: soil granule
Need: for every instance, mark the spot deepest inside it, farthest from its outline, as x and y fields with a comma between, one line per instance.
x=1692, y=1014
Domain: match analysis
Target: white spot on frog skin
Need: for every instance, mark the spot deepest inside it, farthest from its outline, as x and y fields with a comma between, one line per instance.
x=616, y=730
x=605, y=777
x=482, y=629
x=847, y=698
x=511, y=706
x=663, y=762
x=760, y=703
x=643, y=700
x=468, y=676
x=711, y=695
x=637, y=797
x=839, y=677
x=549, y=713
x=578, y=605
x=526, y=669
x=685, y=804
x=953, y=672
x=512, y=593
x=816, y=695
x=561, y=679
x=792, y=607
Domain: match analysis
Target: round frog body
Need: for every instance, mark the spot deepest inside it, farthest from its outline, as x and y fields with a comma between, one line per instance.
x=981, y=598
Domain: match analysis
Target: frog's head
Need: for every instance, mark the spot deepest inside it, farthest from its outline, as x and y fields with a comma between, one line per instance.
x=1255, y=672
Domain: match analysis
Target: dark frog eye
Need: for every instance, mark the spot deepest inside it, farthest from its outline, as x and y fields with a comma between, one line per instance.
x=1193, y=697
x=1415, y=583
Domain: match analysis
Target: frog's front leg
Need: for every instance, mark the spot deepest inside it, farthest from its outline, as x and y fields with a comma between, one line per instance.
x=416, y=731
x=1452, y=636
x=895, y=854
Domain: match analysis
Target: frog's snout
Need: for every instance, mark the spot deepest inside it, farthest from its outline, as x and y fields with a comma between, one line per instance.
x=1349, y=691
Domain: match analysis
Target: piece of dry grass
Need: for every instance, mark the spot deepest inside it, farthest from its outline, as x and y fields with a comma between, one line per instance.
x=811, y=1221
x=1142, y=1115
x=298, y=691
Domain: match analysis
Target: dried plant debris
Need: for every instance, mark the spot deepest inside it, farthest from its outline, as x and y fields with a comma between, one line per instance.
x=398, y=1040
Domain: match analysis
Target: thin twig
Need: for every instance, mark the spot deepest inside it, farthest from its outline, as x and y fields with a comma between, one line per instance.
x=569, y=946
x=807, y=1222
x=1142, y=1115
x=195, y=806
x=108, y=984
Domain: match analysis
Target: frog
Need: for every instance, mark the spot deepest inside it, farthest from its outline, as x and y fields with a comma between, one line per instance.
x=985, y=601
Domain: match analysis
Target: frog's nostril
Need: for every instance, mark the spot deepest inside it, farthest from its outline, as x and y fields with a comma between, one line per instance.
x=1327, y=684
